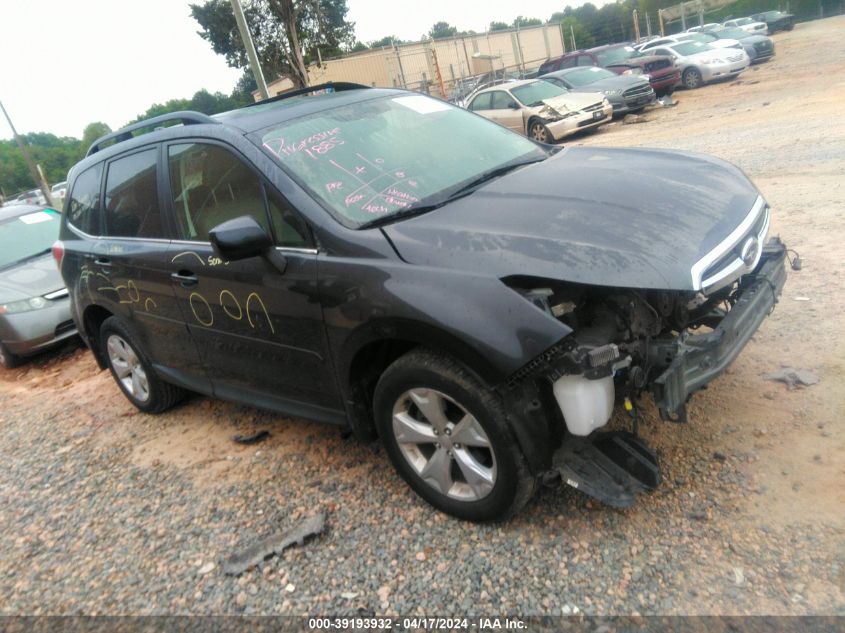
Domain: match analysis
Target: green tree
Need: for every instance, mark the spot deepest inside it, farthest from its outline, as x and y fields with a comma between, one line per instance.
x=286, y=33
x=242, y=94
x=571, y=26
x=522, y=22
x=442, y=30
x=56, y=155
x=387, y=40
x=92, y=132
x=497, y=26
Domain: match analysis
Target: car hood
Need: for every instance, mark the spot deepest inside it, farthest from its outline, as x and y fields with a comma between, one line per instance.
x=753, y=38
x=573, y=101
x=715, y=53
x=726, y=43
x=636, y=62
x=618, y=82
x=611, y=217
x=31, y=278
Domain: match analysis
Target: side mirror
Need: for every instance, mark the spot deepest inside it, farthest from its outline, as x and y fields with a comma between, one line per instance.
x=240, y=238
x=513, y=105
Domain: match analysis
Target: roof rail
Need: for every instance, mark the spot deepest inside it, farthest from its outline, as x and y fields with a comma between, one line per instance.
x=185, y=117
x=337, y=86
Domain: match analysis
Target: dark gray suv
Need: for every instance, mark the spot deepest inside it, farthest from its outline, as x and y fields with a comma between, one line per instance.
x=385, y=261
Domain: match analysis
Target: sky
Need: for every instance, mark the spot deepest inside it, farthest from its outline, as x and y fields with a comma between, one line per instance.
x=66, y=64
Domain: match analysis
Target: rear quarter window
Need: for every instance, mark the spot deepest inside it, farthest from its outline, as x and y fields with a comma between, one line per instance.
x=83, y=209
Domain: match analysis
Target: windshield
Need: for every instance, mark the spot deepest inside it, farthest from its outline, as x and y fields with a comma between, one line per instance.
x=616, y=55
x=742, y=21
x=699, y=37
x=584, y=76
x=771, y=15
x=27, y=235
x=372, y=159
x=533, y=94
x=691, y=48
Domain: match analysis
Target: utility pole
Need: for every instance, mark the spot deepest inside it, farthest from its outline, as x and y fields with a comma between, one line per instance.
x=660, y=20
x=648, y=24
x=36, y=175
x=683, y=17
x=636, y=25
x=399, y=61
x=250, y=48
x=572, y=36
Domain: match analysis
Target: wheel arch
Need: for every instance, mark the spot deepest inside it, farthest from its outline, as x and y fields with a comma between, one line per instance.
x=369, y=351
x=92, y=320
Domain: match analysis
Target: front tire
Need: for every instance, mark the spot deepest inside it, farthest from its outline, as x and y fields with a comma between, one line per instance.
x=7, y=359
x=132, y=370
x=692, y=78
x=446, y=434
x=539, y=132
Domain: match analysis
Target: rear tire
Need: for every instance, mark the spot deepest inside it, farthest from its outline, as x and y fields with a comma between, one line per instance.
x=446, y=434
x=132, y=370
x=7, y=359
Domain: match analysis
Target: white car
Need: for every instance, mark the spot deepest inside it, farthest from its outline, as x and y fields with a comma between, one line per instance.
x=748, y=25
x=704, y=38
x=701, y=63
x=58, y=192
x=703, y=27
x=540, y=109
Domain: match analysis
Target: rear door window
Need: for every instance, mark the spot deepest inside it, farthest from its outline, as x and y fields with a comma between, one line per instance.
x=481, y=102
x=132, y=208
x=83, y=210
x=585, y=60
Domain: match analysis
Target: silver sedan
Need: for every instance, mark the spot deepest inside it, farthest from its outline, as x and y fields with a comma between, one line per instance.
x=34, y=304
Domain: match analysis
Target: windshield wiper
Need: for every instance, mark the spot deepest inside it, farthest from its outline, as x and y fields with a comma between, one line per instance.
x=464, y=190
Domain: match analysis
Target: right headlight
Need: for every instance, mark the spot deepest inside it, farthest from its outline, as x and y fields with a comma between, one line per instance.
x=24, y=305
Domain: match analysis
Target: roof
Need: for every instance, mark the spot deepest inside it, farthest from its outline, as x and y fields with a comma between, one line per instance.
x=265, y=113
x=245, y=120
x=507, y=85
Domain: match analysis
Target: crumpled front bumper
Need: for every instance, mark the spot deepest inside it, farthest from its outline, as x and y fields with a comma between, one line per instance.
x=701, y=358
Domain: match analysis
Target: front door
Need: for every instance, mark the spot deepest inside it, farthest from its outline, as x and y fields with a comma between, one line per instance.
x=258, y=322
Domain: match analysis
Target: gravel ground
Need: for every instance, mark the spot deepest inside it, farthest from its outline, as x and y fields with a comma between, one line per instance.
x=109, y=511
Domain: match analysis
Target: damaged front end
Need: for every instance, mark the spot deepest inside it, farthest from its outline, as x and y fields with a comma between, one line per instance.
x=626, y=342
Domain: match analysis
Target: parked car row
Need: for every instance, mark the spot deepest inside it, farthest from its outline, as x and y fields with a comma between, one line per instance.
x=591, y=86
x=758, y=24
x=34, y=196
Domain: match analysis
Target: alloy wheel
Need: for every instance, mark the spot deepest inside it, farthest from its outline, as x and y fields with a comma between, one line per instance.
x=128, y=369
x=539, y=133
x=692, y=78
x=444, y=444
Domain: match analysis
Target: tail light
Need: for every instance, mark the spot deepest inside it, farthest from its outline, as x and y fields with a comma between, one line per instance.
x=58, y=250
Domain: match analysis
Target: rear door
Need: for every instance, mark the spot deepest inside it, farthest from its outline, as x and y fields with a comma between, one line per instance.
x=130, y=270
x=258, y=322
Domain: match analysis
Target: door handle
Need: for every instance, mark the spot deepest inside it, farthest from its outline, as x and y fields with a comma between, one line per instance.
x=185, y=278
x=103, y=261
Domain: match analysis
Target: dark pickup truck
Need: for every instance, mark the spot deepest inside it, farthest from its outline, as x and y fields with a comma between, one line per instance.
x=622, y=59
